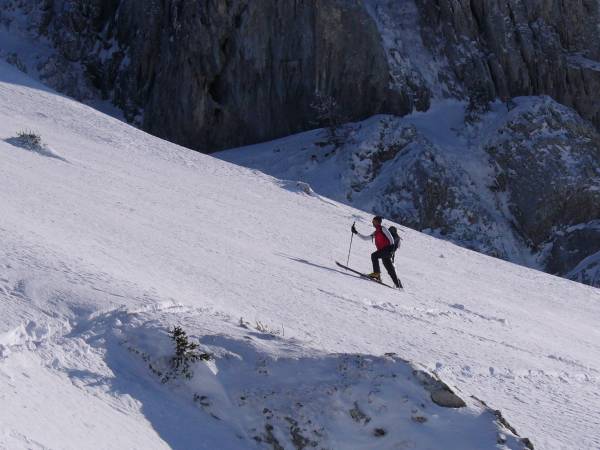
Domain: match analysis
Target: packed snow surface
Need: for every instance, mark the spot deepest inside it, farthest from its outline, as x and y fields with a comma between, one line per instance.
x=110, y=237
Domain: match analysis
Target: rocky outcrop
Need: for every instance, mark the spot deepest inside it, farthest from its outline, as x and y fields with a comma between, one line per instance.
x=547, y=160
x=396, y=171
x=515, y=47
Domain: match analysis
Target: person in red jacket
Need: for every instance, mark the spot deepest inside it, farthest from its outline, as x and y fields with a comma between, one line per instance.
x=385, y=250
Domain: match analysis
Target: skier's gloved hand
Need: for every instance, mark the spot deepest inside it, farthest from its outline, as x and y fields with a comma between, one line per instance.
x=353, y=229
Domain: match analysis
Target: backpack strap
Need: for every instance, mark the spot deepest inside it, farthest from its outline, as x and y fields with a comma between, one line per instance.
x=394, y=232
x=388, y=235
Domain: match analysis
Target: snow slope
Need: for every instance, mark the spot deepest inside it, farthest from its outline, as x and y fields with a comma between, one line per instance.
x=110, y=236
x=396, y=189
x=491, y=185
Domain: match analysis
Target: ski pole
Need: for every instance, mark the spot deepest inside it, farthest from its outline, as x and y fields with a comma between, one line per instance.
x=351, y=237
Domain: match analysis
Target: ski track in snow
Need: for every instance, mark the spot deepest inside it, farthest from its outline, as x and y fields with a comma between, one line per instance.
x=136, y=235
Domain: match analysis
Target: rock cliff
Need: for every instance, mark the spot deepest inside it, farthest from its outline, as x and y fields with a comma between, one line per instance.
x=222, y=73
x=216, y=73
x=516, y=47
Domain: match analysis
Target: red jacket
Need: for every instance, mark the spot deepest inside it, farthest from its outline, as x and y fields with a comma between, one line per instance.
x=381, y=241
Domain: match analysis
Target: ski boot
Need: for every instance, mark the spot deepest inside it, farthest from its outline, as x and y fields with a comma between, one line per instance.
x=375, y=276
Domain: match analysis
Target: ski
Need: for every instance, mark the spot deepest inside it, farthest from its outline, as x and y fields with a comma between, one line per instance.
x=364, y=275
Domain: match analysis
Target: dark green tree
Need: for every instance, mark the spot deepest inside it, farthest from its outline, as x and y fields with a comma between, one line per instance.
x=186, y=354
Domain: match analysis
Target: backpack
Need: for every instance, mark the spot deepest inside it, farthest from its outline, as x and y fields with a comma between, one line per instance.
x=394, y=232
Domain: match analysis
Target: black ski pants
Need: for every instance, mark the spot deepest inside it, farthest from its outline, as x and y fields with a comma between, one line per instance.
x=386, y=254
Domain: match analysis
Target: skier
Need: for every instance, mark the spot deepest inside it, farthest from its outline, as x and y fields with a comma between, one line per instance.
x=386, y=248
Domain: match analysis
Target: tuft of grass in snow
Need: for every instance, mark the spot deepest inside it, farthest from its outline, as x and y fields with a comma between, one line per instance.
x=262, y=327
x=30, y=139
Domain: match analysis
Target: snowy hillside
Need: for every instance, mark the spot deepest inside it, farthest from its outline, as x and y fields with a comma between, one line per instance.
x=522, y=185
x=111, y=237
x=520, y=181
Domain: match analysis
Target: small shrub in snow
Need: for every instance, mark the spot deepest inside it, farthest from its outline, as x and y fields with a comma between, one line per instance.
x=329, y=115
x=419, y=419
x=186, y=354
x=29, y=139
x=32, y=141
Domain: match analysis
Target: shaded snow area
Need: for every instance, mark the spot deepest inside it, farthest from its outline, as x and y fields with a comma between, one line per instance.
x=260, y=390
x=107, y=249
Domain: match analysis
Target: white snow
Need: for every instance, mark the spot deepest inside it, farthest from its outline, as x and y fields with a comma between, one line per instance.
x=128, y=235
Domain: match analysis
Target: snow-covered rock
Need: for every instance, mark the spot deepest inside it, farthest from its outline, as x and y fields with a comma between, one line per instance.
x=547, y=162
x=575, y=252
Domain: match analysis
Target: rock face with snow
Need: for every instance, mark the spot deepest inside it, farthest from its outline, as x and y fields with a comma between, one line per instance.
x=576, y=252
x=193, y=71
x=399, y=173
x=210, y=74
x=547, y=161
x=518, y=47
